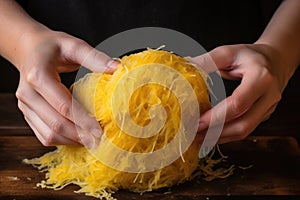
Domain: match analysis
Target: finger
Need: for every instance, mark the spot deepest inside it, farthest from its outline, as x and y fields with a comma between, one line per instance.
x=60, y=98
x=92, y=59
x=220, y=58
x=46, y=136
x=210, y=136
x=55, y=121
x=243, y=126
x=204, y=62
x=243, y=97
x=57, y=140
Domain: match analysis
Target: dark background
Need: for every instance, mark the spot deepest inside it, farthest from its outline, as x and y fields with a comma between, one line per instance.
x=211, y=23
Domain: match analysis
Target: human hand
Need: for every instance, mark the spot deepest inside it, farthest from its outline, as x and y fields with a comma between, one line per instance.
x=45, y=102
x=263, y=79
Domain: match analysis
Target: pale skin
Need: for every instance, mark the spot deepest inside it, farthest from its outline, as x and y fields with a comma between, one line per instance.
x=40, y=54
x=264, y=67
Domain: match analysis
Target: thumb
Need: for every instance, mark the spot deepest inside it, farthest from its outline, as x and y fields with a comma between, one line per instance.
x=93, y=59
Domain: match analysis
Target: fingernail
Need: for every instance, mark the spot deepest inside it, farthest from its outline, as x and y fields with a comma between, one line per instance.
x=189, y=58
x=202, y=126
x=112, y=65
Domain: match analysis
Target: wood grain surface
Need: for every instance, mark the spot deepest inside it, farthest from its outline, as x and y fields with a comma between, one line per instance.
x=274, y=154
x=275, y=171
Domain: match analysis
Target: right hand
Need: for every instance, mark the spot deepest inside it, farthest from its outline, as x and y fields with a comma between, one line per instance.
x=46, y=103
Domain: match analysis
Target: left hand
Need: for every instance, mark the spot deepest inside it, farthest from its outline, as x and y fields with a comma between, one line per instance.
x=263, y=80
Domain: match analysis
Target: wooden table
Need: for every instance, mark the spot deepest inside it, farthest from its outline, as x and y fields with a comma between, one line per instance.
x=275, y=173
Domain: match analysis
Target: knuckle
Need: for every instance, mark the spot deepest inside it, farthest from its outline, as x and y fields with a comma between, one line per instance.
x=56, y=126
x=268, y=77
x=76, y=44
x=21, y=95
x=224, y=51
x=242, y=130
x=65, y=109
x=34, y=77
x=238, y=107
x=80, y=43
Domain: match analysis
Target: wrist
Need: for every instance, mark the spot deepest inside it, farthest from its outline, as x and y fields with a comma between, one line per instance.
x=280, y=62
x=25, y=41
x=15, y=25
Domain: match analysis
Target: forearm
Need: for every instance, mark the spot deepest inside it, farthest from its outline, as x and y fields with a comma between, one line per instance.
x=15, y=24
x=283, y=34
